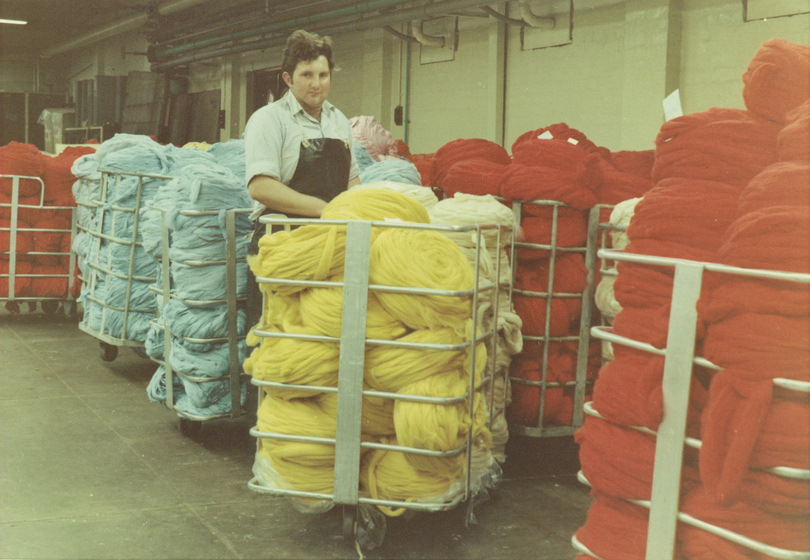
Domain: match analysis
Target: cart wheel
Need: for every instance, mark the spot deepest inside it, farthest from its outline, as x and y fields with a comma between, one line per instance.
x=108, y=351
x=71, y=309
x=32, y=306
x=50, y=307
x=190, y=428
x=368, y=528
x=13, y=307
x=349, y=513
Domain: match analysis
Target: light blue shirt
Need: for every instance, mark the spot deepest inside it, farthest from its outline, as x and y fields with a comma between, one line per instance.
x=273, y=138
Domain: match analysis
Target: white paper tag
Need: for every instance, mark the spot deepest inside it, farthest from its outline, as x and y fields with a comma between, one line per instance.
x=546, y=136
x=672, y=105
x=573, y=141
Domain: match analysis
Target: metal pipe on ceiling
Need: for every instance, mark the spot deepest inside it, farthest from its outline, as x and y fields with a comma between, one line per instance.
x=161, y=54
x=117, y=27
x=426, y=11
x=427, y=40
x=534, y=20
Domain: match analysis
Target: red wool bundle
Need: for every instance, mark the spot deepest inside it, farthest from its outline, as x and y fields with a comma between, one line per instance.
x=570, y=277
x=642, y=286
x=558, y=154
x=572, y=231
x=52, y=241
x=775, y=238
x=463, y=149
x=618, y=461
x=777, y=79
x=22, y=284
x=57, y=176
x=561, y=368
x=724, y=145
x=524, y=182
x=669, y=212
x=617, y=186
x=781, y=184
x=24, y=160
x=726, y=295
x=775, y=530
x=628, y=392
x=25, y=239
x=637, y=163
x=793, y=142
x=403, y=149
x=473, y=176
x=559, y=131
x=426, y=170
x=615, y=529
x=532, y=311
x=52, y=284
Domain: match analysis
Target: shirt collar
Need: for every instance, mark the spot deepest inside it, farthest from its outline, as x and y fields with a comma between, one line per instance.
x=295, y=106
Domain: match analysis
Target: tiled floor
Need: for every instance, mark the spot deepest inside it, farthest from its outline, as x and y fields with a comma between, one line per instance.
x=89, y=468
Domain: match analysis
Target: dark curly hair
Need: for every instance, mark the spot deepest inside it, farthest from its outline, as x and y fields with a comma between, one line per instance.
x=305, y=46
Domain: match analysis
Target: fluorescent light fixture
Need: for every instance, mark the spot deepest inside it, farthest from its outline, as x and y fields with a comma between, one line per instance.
x=13, y=21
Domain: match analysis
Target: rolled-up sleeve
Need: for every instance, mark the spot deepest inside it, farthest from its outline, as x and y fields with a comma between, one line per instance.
x=264, y=137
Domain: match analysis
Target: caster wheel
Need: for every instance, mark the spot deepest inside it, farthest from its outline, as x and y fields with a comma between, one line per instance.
x=108, y=351
x=190, y=428
x=50, y=307
x=13, y=307
x=349, y=513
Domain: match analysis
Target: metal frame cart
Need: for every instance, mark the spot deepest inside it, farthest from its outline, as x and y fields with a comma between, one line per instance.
x=50, y=305
x=358, y=509
x=671, y=436
x=189, y=423
x=109, y=344
x=580, y=383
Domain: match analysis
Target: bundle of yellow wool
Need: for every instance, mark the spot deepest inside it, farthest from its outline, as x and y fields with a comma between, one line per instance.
x=307, y=467
x=377, y=413
x=440, y=427
x=316, y=251
x=422, y=259
x=388, y=475
x=392, y=368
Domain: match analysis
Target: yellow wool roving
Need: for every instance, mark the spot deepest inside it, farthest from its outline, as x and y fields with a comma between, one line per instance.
x=308, y=467
x=322, y=311
x=316, y=252
x=290, y=360
x=388, y=475
x=389, y=368
x=422, y=259
x=377, y=413
x=440, y=427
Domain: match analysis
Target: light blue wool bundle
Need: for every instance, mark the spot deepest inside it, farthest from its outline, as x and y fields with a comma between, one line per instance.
x=399, y=170
x=204, y=400
x=361, y=156
x=178, y=158
x=197, y=250
x=230, y=154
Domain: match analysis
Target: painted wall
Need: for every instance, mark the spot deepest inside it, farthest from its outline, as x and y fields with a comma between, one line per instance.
x=609, y=82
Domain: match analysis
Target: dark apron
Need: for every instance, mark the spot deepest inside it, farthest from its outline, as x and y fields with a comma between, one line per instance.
x=323, y=172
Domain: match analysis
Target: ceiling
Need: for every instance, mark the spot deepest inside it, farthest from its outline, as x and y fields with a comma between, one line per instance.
x=51, y=22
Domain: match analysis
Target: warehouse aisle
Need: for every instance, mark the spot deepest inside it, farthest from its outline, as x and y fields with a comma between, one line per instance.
x=89, y=468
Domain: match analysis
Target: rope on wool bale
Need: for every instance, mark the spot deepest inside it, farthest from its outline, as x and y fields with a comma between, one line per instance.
x=316, y=252
x=422, y=259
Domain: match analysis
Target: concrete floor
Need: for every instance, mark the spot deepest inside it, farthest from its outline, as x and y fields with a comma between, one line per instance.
x=89, y=468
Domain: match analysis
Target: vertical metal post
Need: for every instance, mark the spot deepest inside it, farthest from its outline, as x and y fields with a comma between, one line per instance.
x=167, y=295
x=234, y=367
x=12, y=247
x=672, y=430
x=352, y=359
x=586, y=315
x=72, y=254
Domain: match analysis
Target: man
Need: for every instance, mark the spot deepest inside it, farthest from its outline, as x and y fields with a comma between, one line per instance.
x=297, y=149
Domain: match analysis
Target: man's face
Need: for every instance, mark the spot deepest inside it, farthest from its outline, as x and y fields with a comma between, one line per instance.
x=310, y=82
